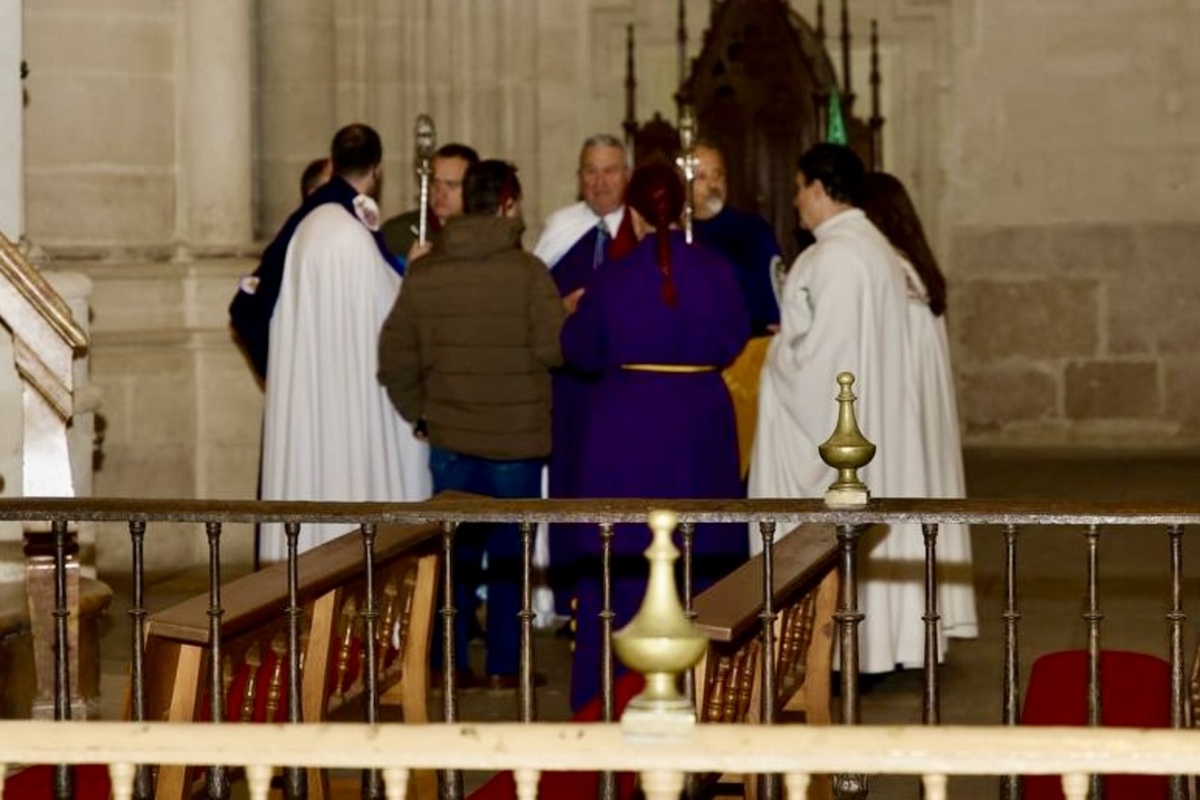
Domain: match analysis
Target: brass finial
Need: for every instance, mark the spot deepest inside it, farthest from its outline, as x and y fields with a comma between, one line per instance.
x=847, y=451
x=661, y=643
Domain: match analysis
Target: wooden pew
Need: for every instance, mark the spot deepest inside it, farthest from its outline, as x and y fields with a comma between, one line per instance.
x=729, y=686
x=253, y=629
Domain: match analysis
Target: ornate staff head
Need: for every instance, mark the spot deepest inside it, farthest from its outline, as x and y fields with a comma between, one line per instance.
x=425, y=136
x=687, y=163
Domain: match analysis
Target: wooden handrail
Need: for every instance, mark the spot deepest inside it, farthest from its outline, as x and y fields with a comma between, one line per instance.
x=730, y=609
x=254, y=599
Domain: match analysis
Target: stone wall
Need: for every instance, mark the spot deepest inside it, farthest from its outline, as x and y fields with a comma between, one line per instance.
x=138, y=176
x=1074, y=230
x=1077, y=333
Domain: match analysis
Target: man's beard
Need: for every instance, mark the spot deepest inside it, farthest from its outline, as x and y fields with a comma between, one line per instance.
x=712, y=204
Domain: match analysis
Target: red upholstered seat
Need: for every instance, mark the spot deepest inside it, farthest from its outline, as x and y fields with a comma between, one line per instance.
x=1135, y=692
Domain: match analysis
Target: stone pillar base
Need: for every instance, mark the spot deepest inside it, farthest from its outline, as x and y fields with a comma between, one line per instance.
x=18, y=692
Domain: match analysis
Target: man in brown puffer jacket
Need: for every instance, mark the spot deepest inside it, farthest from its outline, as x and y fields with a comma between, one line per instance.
x=465, y=355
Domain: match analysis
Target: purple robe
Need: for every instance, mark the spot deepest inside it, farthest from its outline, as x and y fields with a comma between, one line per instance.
x=573, y=271
x=569, y=412
x=654, y=434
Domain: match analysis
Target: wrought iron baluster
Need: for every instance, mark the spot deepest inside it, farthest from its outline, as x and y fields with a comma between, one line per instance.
x=1175, y=620
x=143, y=787
x=216, y=777
x=1093, y=617
x=769, y=786
x=848, y=617
x=64, y=774
x=1010, y=785
x=450, y=781
x=372, y=780
x=931, y=705
x=294, y=778
x=607, y=787
x=687, y=537
x=528, y=698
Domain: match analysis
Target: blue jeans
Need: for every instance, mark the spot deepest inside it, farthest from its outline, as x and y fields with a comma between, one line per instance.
x=501, y=543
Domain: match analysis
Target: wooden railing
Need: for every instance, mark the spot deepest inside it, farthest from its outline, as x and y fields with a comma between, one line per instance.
x=794, y=751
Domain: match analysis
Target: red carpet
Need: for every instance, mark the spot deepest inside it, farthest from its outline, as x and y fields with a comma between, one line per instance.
x=572, y=785
x=1135, y=692
x=37, y=783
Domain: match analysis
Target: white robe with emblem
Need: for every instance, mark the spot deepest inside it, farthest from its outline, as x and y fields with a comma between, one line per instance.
x=330, y=431
x=845, y=309
x=943, y=456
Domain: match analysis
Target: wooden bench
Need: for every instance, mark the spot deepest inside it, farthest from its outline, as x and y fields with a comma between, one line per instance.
x=805, y=597
x=332, y=593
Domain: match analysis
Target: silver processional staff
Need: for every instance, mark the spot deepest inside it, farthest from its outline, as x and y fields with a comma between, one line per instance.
x=687, y=163
x=426, y=140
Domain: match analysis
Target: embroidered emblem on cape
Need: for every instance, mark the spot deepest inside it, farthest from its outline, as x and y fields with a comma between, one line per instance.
x=367, y=212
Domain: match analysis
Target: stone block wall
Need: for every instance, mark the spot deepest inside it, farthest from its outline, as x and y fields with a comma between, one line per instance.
x=1077, y=334
x=181, y=409
x=1071, y=222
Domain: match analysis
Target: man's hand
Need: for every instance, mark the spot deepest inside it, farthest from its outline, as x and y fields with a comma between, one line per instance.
x=419, y=250
x=571, y=301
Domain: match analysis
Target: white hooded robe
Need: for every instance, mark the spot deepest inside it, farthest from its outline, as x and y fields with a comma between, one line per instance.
x=844, y=308
x=330, y=431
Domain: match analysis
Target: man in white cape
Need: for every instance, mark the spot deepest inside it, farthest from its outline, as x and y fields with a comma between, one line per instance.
x=330, y=432
x=843, y=309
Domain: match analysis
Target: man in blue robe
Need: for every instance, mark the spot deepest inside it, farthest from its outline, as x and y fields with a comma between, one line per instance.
x=745, y=239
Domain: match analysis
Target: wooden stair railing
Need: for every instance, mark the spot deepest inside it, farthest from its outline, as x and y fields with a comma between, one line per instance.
x=805, y=598
x=253, y=641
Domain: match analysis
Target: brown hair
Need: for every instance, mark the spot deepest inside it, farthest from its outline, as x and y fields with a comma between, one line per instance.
x=656, y=192
x=887, y=204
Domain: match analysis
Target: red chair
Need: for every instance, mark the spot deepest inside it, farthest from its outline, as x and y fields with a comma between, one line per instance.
x=1135, y=692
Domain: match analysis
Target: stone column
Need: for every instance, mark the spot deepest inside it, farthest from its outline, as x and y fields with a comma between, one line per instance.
x=297, y=99
x=12, y=184
x=518, y=115
x=216, y=205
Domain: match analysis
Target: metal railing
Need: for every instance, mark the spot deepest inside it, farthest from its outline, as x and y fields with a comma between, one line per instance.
x=1008, y=752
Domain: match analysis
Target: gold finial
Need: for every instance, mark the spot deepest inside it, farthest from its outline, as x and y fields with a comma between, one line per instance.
x=847, y=451
x=661, y=643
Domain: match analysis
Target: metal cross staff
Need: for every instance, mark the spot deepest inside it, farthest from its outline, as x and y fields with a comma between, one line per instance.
x=687, y=163
x=426, y=139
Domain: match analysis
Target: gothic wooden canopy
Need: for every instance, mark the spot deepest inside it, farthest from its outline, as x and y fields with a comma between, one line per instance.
x=760, y=90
